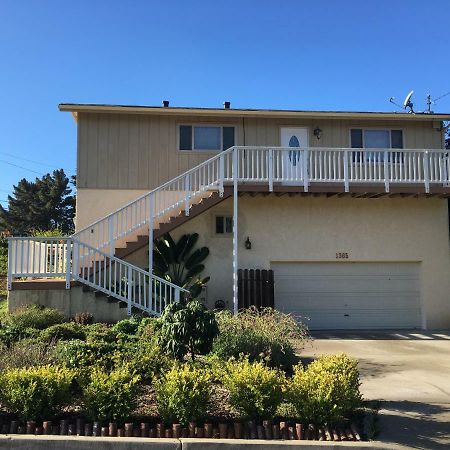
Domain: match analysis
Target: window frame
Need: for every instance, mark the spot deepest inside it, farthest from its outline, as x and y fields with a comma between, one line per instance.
x=210, y=125
x=224, y=217
x=400, y=151
x=375, y=129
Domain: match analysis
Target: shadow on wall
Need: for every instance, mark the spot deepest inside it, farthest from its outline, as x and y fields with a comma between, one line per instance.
x=417, y=425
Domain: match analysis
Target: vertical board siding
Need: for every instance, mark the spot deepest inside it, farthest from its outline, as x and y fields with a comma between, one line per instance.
x=131, y=151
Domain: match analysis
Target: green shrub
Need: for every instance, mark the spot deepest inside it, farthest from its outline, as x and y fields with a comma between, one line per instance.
x=326, y=391
x=144, y=358
x=127, y=329
x=259, y=335
x=27, y=353
x=63, y=332
x=183, y=394
x=187, y=327
x=110, y=396
x=78, y=354
x=9, y=334
x=34, y=316
x=99, y=332
x=147, y=328
x=256, y=390
x=35, y=393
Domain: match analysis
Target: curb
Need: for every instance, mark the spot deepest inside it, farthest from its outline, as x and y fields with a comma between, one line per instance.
x=27, y=442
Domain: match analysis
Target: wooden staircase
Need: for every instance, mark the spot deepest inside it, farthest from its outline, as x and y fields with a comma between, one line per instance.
x=141, y=240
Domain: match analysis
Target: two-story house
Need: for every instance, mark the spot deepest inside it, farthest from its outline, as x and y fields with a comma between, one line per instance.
x=348, y=210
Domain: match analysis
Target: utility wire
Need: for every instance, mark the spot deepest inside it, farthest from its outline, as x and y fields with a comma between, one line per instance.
x=20, y=167
x=29, y=160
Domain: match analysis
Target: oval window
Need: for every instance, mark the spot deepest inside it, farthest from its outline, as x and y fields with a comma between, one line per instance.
x=293, y=142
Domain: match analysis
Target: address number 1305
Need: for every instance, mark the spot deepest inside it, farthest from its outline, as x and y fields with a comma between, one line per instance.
x=341, y=255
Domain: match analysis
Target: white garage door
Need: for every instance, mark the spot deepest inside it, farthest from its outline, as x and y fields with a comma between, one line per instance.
x=350, y=295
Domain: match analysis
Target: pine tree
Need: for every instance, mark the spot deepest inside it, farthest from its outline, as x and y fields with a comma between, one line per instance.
x=44, y=204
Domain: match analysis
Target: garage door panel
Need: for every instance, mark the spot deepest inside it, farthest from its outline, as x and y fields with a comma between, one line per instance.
x=350, y=295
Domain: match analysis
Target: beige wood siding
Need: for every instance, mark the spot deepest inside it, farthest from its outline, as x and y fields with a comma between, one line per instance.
x=126, y=151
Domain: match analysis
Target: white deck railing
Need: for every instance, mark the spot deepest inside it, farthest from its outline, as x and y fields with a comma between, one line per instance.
x=69, y=259
x=88, y=255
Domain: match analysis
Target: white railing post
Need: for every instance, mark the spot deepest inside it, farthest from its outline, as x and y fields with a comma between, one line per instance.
x=111, y=235
x=346, y=180
x=129, y=289
x=221, y=174
x=426, y=173
x=68, y=259
x=446, y=175
x=177, y=295
x=150, y=234
x=10, y=262
x=75, y=259
x=305, y=170
x=235, y=231
x=187, y=194
x=270, y=170
x=386, y=171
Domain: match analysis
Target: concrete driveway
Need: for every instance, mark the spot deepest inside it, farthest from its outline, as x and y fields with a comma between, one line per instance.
x=409, y=372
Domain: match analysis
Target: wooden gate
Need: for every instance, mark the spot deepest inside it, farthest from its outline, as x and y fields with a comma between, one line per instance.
x=255, y=288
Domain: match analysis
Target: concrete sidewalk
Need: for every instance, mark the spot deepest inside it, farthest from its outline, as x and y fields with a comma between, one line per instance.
x=409, y=372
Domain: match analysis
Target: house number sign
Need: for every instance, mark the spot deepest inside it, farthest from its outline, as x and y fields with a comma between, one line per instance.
x=341, y=255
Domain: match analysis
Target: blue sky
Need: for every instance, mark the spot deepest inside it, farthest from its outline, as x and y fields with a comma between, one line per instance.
x=343, y=55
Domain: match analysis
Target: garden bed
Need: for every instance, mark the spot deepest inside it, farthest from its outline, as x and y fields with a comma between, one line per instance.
x=190, y=374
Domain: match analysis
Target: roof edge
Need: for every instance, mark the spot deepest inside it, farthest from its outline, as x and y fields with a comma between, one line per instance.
x=76, y=108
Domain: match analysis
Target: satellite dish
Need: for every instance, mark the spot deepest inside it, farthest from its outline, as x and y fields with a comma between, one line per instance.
x=408, y=103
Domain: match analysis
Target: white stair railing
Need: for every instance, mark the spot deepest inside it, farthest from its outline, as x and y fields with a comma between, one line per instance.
x=69, y=259
x=175, y=195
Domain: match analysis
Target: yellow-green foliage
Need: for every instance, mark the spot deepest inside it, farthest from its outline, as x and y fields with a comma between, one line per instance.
x=255, y=389
x=36, y=393
x=183, y=394
x=326, y=391
x=110, y=396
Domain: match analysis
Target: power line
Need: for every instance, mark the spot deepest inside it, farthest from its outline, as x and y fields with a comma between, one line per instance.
x=29, y=160
x=20, y=167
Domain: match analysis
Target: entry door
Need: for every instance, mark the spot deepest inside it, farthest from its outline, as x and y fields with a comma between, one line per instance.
x=293, y=159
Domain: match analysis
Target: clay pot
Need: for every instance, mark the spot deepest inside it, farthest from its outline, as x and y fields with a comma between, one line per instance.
x=208, y=430
x=298, y=431
x=112, y=431
x=13, y=427
x=276, y=431
x=267, y=424
x=237, y=430
x=144, y=429
x=63, y=427
x=47, y=427
x=223, y=430
x=31, y=427
x=176, y=429
x=88, y=429
x=80, y=427
x=283, y=430
x=128, y=429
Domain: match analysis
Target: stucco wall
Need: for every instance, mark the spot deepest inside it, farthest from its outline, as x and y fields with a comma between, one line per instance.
x=315, y=228
x=69, y=302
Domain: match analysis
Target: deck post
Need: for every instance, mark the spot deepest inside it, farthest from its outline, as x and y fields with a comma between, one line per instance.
x=426, y=172
x=68, y=259
x=10, y=259
x=386, y=171
x=221, y=175
x=150, y=234
x=129, y=289
x=270, y=170
x=346, y=180
x=235, y=231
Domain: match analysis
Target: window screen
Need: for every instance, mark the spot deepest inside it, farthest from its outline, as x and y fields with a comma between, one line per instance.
x=207, y=138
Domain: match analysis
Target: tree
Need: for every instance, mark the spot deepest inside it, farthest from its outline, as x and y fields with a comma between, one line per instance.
x=179, y=263
x=44, y=204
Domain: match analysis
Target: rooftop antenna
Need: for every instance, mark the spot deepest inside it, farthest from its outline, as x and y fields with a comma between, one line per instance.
x=392, y=100
x=407, y=103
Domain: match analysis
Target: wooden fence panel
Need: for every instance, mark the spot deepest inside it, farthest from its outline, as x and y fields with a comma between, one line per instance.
x=255, y=288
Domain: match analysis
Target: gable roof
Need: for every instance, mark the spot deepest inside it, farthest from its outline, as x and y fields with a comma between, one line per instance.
x=76, y=108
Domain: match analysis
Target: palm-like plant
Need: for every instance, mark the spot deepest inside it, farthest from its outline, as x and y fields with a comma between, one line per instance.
x=179, y=263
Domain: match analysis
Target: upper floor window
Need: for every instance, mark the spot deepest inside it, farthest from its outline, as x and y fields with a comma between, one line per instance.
x=205, y=137
x=370, y=138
